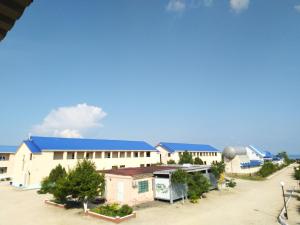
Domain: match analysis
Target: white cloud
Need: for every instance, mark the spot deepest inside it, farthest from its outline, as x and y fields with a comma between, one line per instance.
x=239, y=5
x=72, y=121
x=176, y=6
x=297, y=8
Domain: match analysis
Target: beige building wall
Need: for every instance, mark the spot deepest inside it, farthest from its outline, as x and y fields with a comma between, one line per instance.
x=207, y=157
x=234, y=166
x=124, y=190
x=8, y=163
x=30, y=169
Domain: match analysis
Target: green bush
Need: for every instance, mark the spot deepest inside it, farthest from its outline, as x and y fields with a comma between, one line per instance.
x=186, y=158
x=198, y=161
x=231, y=183
x=197, y=185
x=297, y=173
x=113, y=210
x=171, y=161
x=267, y=169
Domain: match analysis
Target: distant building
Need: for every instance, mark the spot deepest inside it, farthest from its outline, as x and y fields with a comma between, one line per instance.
x=245, y=159
x=36, y=157
x=172, y=151
x=7, y=154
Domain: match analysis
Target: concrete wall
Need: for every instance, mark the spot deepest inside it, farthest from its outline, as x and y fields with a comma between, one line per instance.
x=124, y=190
x=206, y=157
x=29, y=173
x=234, y=166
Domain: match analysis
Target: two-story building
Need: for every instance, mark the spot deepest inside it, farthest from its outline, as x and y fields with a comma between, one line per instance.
x=7, y=154
x=36, y=157
x=172, y=151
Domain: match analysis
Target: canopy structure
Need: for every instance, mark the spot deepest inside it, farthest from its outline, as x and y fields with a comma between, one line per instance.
x=10, y=11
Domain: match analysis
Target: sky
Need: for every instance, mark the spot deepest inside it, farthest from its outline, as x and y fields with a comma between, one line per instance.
x=193, y=71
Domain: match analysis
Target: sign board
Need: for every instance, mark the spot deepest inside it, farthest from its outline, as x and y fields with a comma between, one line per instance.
x=162, y=188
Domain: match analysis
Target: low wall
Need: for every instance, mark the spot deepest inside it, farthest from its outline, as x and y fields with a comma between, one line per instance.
x=111, y=219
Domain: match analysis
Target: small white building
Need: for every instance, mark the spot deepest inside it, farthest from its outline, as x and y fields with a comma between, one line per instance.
x=7, y=154
x=172, y=151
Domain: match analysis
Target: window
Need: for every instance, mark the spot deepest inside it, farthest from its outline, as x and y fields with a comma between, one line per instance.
x=30, y=156
x=148, y=154
x=80, y=155
x=56, y=155
x=114, y=167
x=89, y=155
x=148, y=165
x=143, y=186
x=3, y=170
x=71, y=155
x=204, y=162
x=200, y=153
x=122, y=166
x=141, y=154
x=128, y=154
x=98, y=155
x=2, y=158
x=107, y=155
x=215, y=154
x=142, y=165
x=115, y=154
x=122, y=154
x=136, y=154
x=169, y=154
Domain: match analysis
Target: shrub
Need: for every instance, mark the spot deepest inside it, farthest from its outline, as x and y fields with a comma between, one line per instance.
x=297, y=173
x=171, y=161
x=197, y=185
x=217, y=169
x=267, y=169
x=231, y=183
x=198, y=161
x=113, y=210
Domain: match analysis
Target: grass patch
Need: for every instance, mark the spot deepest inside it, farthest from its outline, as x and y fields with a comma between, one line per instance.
x=246, y=177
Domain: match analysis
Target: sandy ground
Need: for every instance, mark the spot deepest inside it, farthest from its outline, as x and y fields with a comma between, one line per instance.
x=251, y=202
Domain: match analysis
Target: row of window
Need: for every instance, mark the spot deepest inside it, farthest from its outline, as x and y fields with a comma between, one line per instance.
x=3, y=158
x=200, y=153
x=99, y=155
x=123, y=166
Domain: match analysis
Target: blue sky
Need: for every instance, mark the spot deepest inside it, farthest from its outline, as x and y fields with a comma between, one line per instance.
x=201, y=71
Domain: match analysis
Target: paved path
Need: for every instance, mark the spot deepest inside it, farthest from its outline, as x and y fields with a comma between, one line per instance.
x=250, y=203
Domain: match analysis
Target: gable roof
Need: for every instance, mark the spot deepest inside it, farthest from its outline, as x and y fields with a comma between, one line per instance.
x=38, y=144
x=8, y=149
x=173, y=147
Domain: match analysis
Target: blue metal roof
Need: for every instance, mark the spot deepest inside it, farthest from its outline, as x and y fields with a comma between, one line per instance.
x=173, y=147
x=265, y=154
x=38, y=144
x=8, y=149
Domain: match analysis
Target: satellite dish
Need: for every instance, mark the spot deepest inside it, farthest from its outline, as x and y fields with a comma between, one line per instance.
x=229, y=153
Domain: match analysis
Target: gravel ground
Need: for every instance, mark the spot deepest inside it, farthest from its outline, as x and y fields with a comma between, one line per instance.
x=250, y=203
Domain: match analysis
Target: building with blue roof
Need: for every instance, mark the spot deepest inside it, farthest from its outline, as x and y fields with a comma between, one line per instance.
x=37, y=156
x=7, y=153
x=172, y=151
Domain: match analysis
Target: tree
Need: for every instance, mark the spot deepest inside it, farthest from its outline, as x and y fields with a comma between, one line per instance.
x=186, y=157
x=285, y=157
x=217, y=168
x=198, y=161
x=49, y=183
x=85, y=182
x=267, y=169
x=197, y=185
x=180, y=178
x=171, y=161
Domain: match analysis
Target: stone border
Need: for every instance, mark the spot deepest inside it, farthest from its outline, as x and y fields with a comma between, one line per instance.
x=48, y=202
x=111, y=219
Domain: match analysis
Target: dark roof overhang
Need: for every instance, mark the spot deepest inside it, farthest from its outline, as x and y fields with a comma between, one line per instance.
x=10, y=11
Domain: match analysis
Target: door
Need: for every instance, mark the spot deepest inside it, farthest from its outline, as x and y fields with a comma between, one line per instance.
x=120, y=189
